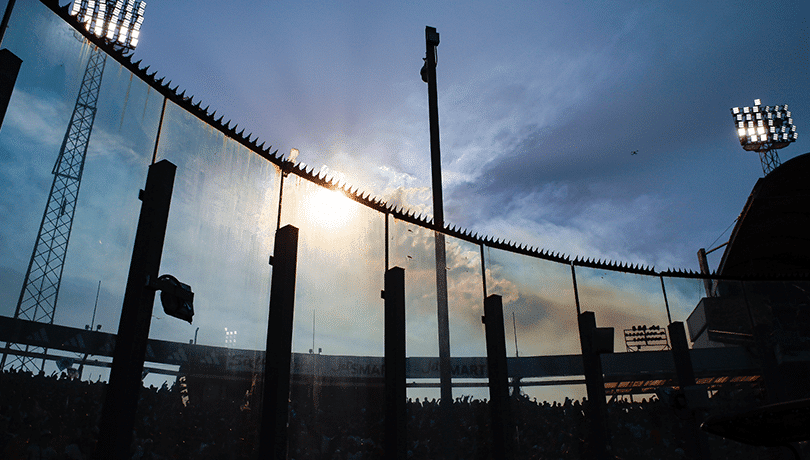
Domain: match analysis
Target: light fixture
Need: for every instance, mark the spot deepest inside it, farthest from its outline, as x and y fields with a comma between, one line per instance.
x=176, y=297
x=119, y=21
x=751, y=130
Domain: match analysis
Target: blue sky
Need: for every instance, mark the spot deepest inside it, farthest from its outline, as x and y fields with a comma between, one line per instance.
x=540, y=105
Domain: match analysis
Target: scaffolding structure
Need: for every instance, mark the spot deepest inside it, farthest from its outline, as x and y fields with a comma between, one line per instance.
x=40, y=290
x=118, y=22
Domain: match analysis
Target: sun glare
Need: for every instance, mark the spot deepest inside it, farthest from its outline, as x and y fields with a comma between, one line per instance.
x=330, y=209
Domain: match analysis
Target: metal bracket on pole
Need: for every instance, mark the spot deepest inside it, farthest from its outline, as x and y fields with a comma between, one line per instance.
x=278, y=353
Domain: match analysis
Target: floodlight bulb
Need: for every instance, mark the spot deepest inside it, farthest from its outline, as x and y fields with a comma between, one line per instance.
x=785, y=107
x=751, y=131
x=134, y=42
x=735, y=110
x=763, y=137
x=746, y=109
x=741, y=132
x=757, y=102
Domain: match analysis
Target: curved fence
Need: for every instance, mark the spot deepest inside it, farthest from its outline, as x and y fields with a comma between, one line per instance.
x=231, y=194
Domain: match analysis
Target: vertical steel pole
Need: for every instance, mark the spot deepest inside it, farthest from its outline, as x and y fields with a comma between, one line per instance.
x=695, y=439
x=446, y=385
x=121, y=401
x=395, y=409
x=596, y=409
x=9, y=69
x=6, y=17
x=500, y=413
x=703, y=262
x=278, y=353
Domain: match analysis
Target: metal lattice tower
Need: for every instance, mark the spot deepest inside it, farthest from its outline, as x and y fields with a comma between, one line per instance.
x=40, y=289
x=770, y=160
x=118, y=23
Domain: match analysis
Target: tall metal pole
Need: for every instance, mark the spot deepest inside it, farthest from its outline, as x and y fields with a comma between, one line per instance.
x=501, y=421
x=278, y=352
x=395, y=391
x=445, y=383
x=126, y=374
x=596, y=409
x=6, y=17
x=696, y=442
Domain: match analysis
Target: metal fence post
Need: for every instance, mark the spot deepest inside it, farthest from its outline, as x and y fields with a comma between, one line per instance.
x=500, y=412
x=596, y=409
x=278, y=353
x=121, y=401
x=395, y=409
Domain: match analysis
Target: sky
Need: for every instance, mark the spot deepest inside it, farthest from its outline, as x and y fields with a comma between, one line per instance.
x=541, y=107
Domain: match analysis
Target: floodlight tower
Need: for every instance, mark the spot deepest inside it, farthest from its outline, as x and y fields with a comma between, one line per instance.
x=118, y=23
x=765, y=130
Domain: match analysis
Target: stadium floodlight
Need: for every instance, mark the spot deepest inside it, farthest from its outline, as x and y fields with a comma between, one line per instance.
x=118, y=22
x=765, y=130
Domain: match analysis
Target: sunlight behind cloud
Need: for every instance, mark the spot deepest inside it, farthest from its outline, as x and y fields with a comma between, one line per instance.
x=330, y=209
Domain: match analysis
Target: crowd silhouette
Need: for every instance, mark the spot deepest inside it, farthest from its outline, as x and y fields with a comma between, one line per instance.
x=55, y=417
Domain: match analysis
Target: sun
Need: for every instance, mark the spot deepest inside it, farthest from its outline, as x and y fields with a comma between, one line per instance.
x=330, y=209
